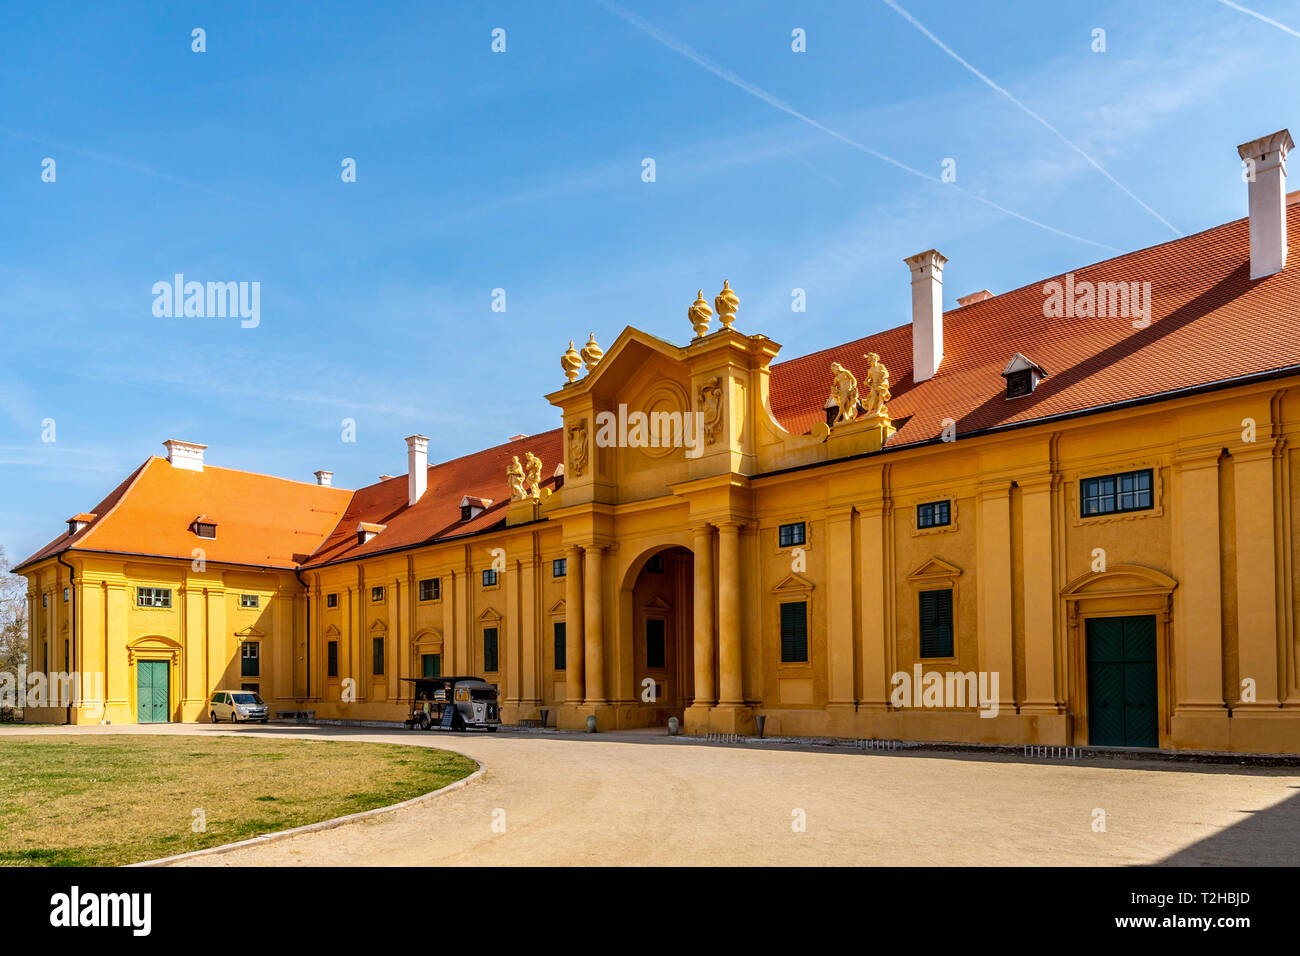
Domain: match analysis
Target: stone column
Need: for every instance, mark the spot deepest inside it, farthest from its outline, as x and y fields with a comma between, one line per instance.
x=593, y=624
x=839, y=610
x=705, y=692
x=574, y=677
x=730, y=683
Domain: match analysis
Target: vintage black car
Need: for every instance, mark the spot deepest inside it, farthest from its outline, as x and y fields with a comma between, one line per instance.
x=454, y=703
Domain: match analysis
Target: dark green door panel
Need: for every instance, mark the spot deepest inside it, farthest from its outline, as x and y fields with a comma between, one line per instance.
x=1122, y=694
x=152, y=692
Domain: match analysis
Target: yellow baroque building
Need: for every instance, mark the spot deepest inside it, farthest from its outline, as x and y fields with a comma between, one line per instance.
x=1059, y=515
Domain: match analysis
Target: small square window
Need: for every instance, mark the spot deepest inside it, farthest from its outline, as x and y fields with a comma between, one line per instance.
x=559, y=567
x=153, y=597
x=489, y=578
x=791, y=534
x=377, y=594
x=331, y=600
x=933, y=514
x=205, y=529
x=248, y=600
x=431, y=589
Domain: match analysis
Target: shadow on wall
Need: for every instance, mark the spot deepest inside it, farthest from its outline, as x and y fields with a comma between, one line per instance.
x=1268, y=837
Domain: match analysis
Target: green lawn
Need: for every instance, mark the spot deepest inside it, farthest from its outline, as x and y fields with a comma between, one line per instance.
x=105, y=800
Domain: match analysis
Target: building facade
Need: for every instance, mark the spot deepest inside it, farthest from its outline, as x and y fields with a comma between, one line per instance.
x=1061, y=515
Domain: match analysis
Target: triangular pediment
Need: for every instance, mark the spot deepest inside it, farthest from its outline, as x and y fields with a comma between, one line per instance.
x=378, y=627
x=793, y=582
x=619, y=363
x=489, y=616
x=656, y=603
x=557, y=608
x=935, y=569
x=249, y=632
x=332, y=631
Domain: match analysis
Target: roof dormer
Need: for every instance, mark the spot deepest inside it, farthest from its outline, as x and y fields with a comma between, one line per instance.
x=204, y=526
x=366, y=531
x=77, y=522
x=471, y=507
x=1022, y=376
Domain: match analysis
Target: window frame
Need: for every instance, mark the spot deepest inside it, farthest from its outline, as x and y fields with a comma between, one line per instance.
x=331, y=600
x=255, y=598
x=485, y=581
x=377, y=593
x=435, y=589
x=560, y=645
x=256, y=657
x=1117, y=492
x=781, y=538
x=332, y=659
x=934, y=506
x=377, y=656
x=155, y=594
x=559, y=567
x=952, y=623
x=496, y=649
x=801, y=601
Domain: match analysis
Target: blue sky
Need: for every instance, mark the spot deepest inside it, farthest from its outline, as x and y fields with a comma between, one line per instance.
x=522, y=170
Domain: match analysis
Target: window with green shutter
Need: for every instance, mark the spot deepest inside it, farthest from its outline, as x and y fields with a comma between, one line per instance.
x=377, y=651
x=430, y=665
x=489, y=649
x=561, y=645
x=794, y=632
x=333, y=653
x=936, y=623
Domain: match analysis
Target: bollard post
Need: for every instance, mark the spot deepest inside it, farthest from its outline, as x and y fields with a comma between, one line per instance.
x=672, y=726
x=760, y=720
x=591, y=723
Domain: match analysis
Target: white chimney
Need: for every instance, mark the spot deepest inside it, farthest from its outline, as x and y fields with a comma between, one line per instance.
x=417, y=467
x=325, y=478
x=927, y=312
x=1265, y=161
x=185, y=454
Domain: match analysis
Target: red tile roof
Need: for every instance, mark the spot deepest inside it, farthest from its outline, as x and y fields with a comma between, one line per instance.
x=1210, y=323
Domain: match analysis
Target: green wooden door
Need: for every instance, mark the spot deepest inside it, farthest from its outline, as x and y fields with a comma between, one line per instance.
x=1122, y=696
x=151, y=692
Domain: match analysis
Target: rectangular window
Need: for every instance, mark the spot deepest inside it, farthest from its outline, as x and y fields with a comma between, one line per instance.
x=65, y=595
x=561, y=629
x=250, y=659
x=331, y=600
x=153, y=597
x=431, y=589
x=489, y=650
x=654, y=642
x=559, y=567
x=376, y=594
x=45, y=600
x=205, y=529
x=430, y=665
x=248, y=600
x=791, y=534
x=332, y=655
x=1115, y=494
x=933, y=514
x=936, y=623
x=489, y=578
x=794, y=632
x=377, y=652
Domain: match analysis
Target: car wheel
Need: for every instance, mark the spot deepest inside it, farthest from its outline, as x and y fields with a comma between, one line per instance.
x=234, y=717
x=424, y=721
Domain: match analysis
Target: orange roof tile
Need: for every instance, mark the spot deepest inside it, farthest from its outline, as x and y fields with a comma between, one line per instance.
x=1210, y=323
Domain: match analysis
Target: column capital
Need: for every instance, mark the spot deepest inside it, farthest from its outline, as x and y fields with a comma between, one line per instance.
x=1191, y=459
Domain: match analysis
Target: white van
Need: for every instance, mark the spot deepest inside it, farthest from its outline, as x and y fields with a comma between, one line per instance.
x=237, y=706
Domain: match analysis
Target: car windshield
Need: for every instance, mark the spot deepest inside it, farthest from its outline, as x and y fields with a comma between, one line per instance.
x=247, y=698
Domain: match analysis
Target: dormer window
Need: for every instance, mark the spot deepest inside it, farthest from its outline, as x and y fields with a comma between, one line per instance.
x=471, y=507
x=77, y=522
x=1022, y=376
x=366, y=531
x=204, y=527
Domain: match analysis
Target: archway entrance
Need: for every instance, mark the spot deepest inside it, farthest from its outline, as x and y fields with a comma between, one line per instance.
x=663, y=662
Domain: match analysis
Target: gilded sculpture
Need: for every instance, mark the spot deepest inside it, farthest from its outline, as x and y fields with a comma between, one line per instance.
x=844, y=393
x=878, y=385
x=726, y=303
x=532, y=476
x=515, y=478
x=578, y=446
x=571, y=362
x=699, y=314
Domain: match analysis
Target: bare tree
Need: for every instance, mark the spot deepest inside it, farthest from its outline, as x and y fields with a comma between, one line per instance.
x=13, y=619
